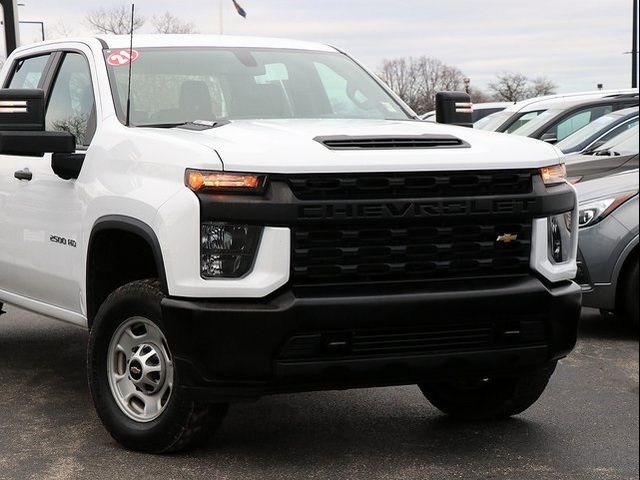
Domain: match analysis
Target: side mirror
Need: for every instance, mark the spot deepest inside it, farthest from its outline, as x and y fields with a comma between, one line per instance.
x=36, y=144
x=22, y=126
x=549, y=137
x=454, y=108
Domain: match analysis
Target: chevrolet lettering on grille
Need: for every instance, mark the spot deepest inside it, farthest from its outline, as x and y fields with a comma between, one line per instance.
x=415, y=209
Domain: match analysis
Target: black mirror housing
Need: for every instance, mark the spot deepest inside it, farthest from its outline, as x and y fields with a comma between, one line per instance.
x=22, y=110
x=36, y=144
x=67, y=165
x=454, y=108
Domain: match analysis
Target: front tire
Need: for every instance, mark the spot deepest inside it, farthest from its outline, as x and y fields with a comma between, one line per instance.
x=133, y=381
x=488, y=398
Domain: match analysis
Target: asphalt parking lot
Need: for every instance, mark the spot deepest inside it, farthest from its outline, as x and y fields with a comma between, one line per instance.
x=584, y=427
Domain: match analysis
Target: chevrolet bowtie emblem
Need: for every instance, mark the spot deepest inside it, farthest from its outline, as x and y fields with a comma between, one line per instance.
x=507, y=238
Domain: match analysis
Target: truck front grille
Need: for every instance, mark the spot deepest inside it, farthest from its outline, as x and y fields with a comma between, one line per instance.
x=410, y=185
x=401, y=251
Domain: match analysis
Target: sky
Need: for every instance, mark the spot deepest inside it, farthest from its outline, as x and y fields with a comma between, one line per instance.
x=575, y=43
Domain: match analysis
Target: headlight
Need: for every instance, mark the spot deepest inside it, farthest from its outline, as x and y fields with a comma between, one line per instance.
x=227, y=250
x=554, y=175
x=592, y=212
x=560, y=237
x=223, y=182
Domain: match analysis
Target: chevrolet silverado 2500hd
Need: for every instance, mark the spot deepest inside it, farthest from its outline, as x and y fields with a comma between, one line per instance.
x=254, y=216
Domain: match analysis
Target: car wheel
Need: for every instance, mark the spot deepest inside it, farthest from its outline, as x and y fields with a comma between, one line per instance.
x=488, y=398
x=133, y=379
x=630, y=296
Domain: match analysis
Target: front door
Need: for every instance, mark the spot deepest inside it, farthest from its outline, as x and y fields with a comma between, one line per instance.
x=43, y=259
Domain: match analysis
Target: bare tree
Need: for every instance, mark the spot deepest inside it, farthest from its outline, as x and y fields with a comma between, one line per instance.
x=513, y=87
x=510, y=87
x=400, y=74
x=416, y=80
x=168, y=23
x=116, y=20
x=541, y=86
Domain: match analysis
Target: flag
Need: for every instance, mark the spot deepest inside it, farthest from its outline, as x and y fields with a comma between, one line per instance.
x=241, y=11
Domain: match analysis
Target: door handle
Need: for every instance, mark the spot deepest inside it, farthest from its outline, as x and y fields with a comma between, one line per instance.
x=23, y=174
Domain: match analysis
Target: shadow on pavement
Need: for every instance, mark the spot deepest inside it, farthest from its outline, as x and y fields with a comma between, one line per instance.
x=594, y=325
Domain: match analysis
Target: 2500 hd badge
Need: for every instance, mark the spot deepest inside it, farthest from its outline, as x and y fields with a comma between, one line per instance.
x=63, y=241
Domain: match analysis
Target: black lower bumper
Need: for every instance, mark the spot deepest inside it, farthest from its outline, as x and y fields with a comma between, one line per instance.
x=229, y=350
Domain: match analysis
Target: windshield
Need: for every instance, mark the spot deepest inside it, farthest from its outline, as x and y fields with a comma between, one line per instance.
x=532, y=125
x=626, y=143
x=179, y=85
x=493, y=121
x=575, y=139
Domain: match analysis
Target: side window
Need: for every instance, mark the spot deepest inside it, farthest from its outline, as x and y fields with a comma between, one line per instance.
x=71, y=102
x=578, y=119
x=28, y=72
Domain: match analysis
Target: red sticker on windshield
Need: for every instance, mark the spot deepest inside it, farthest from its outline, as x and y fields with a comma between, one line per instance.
x=122, y=57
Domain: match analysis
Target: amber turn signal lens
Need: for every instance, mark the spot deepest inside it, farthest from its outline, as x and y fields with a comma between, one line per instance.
x=198, y=180
x=554, y=175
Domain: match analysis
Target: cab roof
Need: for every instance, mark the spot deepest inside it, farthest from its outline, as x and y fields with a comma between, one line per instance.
x=196, y=40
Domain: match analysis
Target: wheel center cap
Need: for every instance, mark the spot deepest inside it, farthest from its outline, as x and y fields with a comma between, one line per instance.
x=135, y=370
x=147, y=369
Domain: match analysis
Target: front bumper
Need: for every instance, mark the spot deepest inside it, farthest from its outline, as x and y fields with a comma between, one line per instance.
x=228, y=350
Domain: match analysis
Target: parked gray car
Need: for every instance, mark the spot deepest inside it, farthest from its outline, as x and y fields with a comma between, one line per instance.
x=608, y=245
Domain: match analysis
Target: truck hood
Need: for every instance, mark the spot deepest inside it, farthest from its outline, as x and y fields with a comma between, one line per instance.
x=288, y=146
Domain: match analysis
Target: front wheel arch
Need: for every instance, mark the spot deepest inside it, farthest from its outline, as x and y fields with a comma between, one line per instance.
x=130, y=233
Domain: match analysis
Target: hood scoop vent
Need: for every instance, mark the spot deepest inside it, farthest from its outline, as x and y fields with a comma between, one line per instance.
x=391, y=142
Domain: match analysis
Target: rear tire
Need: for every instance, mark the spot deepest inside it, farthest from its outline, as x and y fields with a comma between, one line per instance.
x=630, y=294
x=133, y=382
x=488, y=399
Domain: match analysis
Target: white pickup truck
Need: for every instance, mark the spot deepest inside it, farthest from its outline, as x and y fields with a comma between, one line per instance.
x=255, y=216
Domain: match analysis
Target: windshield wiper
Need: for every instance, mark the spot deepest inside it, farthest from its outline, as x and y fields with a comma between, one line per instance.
x=607, y=152
x=194, y=125
x=598, y=151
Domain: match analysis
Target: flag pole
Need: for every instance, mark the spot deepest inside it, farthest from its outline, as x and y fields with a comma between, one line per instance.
x=221, y=17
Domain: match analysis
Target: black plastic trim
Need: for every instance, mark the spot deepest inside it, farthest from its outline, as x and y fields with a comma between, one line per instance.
x=279, y=207
x=135, y=226
x=230, y=349
x=36, y=144
x=67, y=166
x=377, y=142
